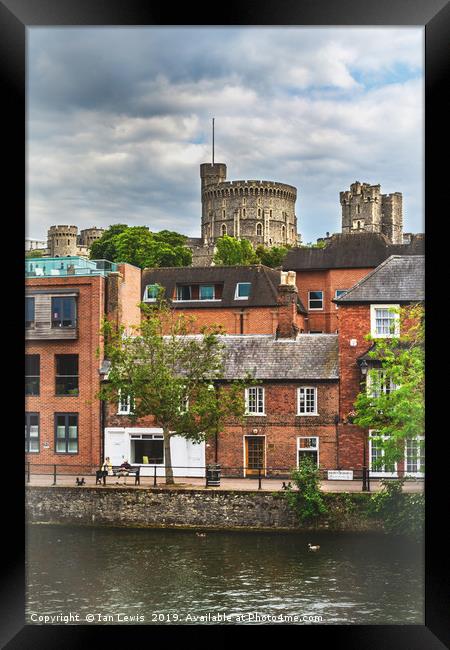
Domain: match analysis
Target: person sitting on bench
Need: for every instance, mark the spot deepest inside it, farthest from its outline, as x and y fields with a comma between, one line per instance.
x=124, y=471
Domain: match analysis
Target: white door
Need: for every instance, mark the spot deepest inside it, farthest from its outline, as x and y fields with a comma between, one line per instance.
x=116, y=445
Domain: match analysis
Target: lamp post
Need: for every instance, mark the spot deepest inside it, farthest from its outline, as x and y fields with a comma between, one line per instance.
x=363, y=366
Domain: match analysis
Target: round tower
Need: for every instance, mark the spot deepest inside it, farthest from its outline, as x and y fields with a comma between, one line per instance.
x=62, y=241
x=89, y=236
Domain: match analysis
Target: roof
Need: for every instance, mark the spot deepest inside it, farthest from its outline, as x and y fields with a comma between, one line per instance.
x=264, y=281
x=400, y=278
x=309, y=357
x=353, y=250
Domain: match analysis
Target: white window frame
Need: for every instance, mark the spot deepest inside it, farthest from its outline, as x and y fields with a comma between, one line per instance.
x=373, y=322
x=316, y=448
x=305, y=388
x=145, y=436
x=120, y=403
x=309, y=300
x=146, y=298
x=259, y=392
x=236, y=293
x=383, y=386
x=378, y=473
x=419, y=473
x=206, y=285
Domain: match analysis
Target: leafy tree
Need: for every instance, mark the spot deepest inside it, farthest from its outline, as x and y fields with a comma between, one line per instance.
x=397, y=415
x=232, y=252
x=104, y=248
x=402, y=514
x=307, y=500
x=171, y=376
x=137, y=245
x=318, y=244
x=273, y=256
x=34, y=253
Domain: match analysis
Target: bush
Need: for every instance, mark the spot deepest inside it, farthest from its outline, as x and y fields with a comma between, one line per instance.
x=402, y=514
x=307, y=501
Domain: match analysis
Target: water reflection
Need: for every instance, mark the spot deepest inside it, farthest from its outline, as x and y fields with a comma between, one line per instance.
x=361, y=579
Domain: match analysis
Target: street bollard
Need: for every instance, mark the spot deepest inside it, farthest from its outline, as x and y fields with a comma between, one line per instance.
x=54, y=474
x=154, y=476
x=259, y=479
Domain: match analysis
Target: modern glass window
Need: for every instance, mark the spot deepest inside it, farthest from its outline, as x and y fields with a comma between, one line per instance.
x=414, y=457
x=32, y=374
x=243, y=290
x=152, y=291
x=384, y=320
x=64, y=312
x=206, y=292
x=315, y=299
x=307, y=400
x=147, y=449
x=32, y=433
x=254, y=400
x=184, y=292
x=308, y=447
x=29, y=312
x=66, y=380
x=66, y=433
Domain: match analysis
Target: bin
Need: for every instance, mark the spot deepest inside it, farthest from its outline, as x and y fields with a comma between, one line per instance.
x=213, y=475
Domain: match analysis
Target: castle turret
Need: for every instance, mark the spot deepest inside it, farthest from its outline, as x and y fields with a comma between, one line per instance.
x=62, y=241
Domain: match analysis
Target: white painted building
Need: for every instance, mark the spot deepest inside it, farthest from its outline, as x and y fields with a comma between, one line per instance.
x=144, y=447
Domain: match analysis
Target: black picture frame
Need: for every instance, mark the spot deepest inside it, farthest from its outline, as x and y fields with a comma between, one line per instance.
x=15, y=17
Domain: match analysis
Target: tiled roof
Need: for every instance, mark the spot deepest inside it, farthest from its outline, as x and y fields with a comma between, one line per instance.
x=308, y=357
x=264, y=281
x=400, y=278
x=355, y=250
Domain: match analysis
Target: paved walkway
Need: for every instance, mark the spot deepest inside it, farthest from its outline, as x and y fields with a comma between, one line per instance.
x=269, y=485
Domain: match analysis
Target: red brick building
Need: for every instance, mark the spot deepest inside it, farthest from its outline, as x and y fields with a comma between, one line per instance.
x=323, y=274
x=366, y=309
x=66, y=300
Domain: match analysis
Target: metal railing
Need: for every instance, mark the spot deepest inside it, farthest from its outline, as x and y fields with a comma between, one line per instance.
x=56, y=471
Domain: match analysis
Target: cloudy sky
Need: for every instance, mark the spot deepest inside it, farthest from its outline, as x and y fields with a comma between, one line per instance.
x=119, y=120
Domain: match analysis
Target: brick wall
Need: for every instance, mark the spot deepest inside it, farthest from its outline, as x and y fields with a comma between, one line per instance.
x=328, y=281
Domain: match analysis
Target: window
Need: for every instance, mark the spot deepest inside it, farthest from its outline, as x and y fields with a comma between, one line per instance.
x=147, y=449
x=124, y=405
x=184, y=292
x=32, y=374
x=378, y=384
x=259, y=229
x=307, y=400
x=151, y=292
x=242, y=290
x=29, y=312
x=63, y=312
x=224, y=230
x=414, y=457
x=315, y=299
x=66, y=374
x=254, y=401
x=308, y=448
x=338, y=293
x=316, y=331
x=259, y=212
x=377, y=465
x=32, y=433
x=385, y=321
x=66, y=433
x=206, y=292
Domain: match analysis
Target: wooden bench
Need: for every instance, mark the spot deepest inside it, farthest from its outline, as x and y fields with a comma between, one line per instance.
x=133, y=471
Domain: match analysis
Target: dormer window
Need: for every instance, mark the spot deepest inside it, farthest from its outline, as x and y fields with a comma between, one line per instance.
x=242, y=290
x=151, y=292
x=206, y=292
x=184, y=292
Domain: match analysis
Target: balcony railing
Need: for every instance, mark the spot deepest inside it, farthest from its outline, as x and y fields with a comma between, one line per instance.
x=46, y=267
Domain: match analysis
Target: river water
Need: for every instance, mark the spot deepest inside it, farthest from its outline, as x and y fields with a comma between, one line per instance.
x=136, y=576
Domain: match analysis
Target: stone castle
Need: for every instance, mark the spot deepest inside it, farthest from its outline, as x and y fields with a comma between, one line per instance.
x=365, y=209
x=64, y=241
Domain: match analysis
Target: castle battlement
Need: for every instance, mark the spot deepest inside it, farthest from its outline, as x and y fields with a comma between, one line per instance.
x=363, y=211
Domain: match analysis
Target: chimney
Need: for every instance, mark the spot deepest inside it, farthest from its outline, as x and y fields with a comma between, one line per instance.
x=287, y=301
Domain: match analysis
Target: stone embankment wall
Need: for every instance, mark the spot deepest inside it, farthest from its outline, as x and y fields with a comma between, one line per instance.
x=175, y=508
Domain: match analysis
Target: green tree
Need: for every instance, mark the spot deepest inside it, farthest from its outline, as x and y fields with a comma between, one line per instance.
x=233, y=252
x=307, y=500
x=318, y=244
x=34, y=253
x=273, y=256
x=172, y=376
x=137, y=245
x=392, y=401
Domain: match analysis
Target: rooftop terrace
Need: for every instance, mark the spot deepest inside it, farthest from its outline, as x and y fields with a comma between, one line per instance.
x=66, y=266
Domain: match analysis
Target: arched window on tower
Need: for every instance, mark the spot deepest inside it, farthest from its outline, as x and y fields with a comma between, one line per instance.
x=259, y=212
x=283, y=233
x=224, y=229
x=259, y=229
